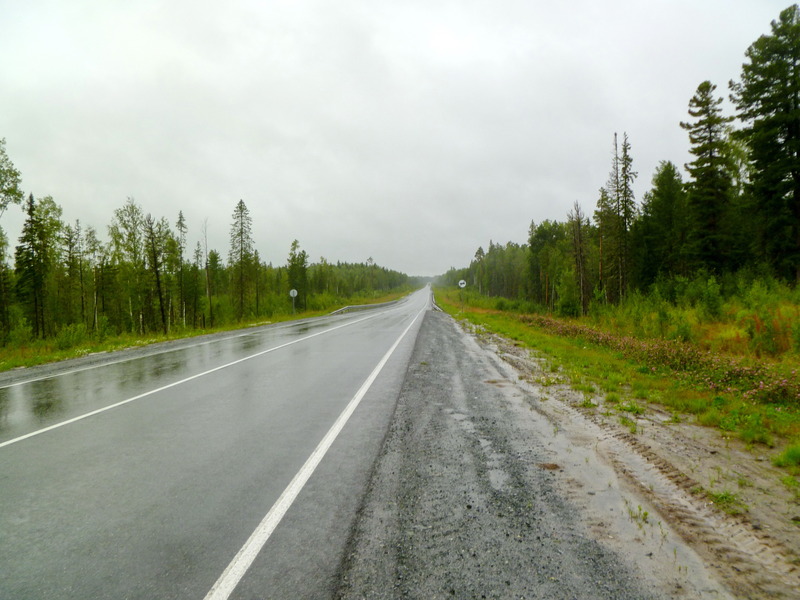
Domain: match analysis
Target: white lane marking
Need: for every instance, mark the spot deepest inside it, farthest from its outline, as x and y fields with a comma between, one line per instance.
x=276, y=327
x=176, y=383
x=234, y=572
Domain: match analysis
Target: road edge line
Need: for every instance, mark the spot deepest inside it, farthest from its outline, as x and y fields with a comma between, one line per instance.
x=233, y=573
x=176, y=383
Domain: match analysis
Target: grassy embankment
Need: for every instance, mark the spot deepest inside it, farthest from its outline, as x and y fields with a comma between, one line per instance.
x=76, y=342
x=735, y=385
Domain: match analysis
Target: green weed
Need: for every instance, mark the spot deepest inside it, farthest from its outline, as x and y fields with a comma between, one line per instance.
x=790, y=457
x=631, y=425
x=791, y=482
x=631, y=407
x=727, y=501
x=586, y=388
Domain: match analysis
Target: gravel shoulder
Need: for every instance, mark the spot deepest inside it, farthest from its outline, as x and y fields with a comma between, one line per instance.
x=484, y=489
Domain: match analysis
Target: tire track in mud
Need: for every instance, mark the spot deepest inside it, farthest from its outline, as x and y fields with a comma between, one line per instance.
x=752, y=563
x=463, y=501
x=733, y=544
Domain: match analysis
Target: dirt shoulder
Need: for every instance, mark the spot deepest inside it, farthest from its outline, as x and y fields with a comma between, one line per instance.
x=489, y=486
x=676, y=467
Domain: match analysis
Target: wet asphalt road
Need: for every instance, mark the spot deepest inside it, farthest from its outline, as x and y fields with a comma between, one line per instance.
x=154, y=497
x=462, y=503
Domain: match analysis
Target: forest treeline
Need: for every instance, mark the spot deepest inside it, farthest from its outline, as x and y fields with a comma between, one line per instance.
x=734, y=220
x=67, y=282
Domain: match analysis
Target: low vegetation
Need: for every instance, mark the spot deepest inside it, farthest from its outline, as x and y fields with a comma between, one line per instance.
x=688, y=297
x=746, y=394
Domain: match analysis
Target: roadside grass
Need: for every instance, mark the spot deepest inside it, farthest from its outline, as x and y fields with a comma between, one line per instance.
x=789, y=458
x=727, y=501
x=765, y=414
x=76, y=341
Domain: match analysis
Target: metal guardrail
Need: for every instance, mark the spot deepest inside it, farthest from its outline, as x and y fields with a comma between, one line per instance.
x=356, y=307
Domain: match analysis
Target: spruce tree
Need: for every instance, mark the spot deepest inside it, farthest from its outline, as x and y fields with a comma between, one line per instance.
x=615, y=214
x=240, y=257
x=711, y=187
x=660, y=232
x=768, y=101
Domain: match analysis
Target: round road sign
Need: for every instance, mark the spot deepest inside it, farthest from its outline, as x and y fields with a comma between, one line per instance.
x=293, y=293
x=462, y=284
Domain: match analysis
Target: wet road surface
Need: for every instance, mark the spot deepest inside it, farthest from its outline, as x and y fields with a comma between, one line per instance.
x=143, y=478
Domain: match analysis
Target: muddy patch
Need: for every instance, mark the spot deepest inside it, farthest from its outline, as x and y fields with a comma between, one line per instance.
x=665, y=476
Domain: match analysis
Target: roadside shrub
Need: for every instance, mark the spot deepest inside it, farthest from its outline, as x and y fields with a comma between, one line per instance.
x=102, y=329
x=790, y=457
x=70, y=336
x=21, y=333
x=681, y=329
x=710, y=418
x=20, y=330
x=796, y=336
x=711, y=300
x=757, y=382
x=321, y=301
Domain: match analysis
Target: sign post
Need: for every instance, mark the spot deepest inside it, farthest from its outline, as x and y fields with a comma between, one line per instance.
x=293, y=294
x=462, y=284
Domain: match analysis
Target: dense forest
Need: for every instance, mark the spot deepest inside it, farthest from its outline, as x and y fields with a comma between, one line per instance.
x=66, y=281
x=735, y=219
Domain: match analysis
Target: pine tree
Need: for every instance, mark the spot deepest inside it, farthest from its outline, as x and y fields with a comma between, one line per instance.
x=615, y=214
x=181, y=228
x=240, y=258
x=626, y=212
x=72, y=244
x=660, y=232
x=768, y=101
x=711, y=187
x=156, y=234
x=605, y=217
x=578, y=224
x=35, y=258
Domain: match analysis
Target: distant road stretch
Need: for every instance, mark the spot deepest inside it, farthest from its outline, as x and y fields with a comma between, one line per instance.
x=228, y=467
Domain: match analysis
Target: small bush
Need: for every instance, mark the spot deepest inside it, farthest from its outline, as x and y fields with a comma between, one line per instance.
x=102, y=329
x=21, y=334
x=710, y=418
x=70, y=336
x=632, y=407
x=789, y=457
x=756, y=433
x=681, y=330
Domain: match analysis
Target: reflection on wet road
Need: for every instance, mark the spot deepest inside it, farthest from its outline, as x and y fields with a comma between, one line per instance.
x=28, y=406
x=143, y=477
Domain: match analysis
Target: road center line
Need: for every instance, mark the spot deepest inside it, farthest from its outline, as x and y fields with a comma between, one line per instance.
x=232, y=575
x=177, y=383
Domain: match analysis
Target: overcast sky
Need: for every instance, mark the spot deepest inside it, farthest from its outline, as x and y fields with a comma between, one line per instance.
x=408, y=131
